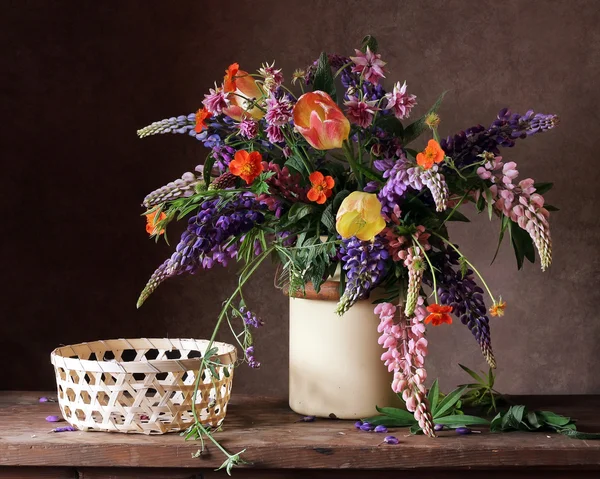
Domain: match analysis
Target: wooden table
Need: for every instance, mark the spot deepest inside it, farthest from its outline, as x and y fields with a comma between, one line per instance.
x=279, y=446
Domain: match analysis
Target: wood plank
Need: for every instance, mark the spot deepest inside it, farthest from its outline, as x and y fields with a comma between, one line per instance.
x=38, y=473
x=274, y=439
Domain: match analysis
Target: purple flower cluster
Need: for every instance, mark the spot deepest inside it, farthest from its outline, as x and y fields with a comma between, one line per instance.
x=252, y=362
x=466, y=298
x=176, y=124
x=223, y=155
x=466, y=145
x=250, y=318
x=207, y=239
x=364, y=263
x=400, y=176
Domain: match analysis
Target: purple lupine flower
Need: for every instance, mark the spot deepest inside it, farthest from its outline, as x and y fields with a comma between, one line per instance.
x=252, y=362
x=223, y=155
x=466, y=298
x=400, y=177
x=250, y=318
x=279, y=110
x=176, y=124
x=465, y=146
x=436, y=183
x=391, y=440
x=248, y=128
x=183, y=187
x=364, y=263
x=206, y=241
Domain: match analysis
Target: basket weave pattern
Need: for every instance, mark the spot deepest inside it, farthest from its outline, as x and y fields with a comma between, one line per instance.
x=141, y=385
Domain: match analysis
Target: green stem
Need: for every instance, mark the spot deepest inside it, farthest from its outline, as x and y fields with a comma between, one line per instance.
x=349, y=151
x=246, y=274
x=468, y=262
x=455, y=208
x=435, y=295
x=342, y=69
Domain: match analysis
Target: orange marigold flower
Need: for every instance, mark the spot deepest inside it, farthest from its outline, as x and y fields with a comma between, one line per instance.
x=498, y=308
x=432, y=153
x=322, y=187
x=439, y=314
x=229, y=78
x=201, y=116
x=246, y=165
x=152, y=221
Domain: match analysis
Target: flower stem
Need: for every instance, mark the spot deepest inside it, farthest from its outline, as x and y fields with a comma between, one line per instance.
x=464, y=258
x=435, y=295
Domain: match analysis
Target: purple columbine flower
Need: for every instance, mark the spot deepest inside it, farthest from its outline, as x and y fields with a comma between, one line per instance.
x=279, y=110
x=215, y=101
x=364, y=263
x=248, y=128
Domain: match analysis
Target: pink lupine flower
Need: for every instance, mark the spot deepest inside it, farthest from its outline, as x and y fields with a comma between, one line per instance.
x=361, y=112
x=400, y=102
x=216, y=100
x=369, y=64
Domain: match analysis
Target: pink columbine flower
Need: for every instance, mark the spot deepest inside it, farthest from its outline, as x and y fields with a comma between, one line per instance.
x=279, y=111
x=274, y=134
x=400, y=102
x=369, y=64
x=248, y=128
x=361, y=112
x=273, y=76
x=216, y=100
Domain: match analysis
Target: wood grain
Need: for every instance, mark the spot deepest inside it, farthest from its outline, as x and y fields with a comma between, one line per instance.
x=273, y=439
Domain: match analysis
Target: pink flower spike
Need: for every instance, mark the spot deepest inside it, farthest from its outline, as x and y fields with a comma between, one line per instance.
x=369, y=64
x=400, y=102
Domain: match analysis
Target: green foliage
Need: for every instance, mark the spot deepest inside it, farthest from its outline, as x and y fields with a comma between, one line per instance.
x=541, y=188
x=323, y=77
x=522, y=243
x=414, y=130
x=369, y=41
x=481, y=393
x=391, y=124
x=518, y=418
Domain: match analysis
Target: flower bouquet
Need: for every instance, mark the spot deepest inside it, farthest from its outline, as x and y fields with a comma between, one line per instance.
x=322, y=174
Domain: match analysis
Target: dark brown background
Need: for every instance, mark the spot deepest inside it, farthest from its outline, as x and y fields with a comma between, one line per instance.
x=80, y=77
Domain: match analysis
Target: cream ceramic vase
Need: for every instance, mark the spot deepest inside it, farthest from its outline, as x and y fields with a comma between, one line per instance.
x=335, y=365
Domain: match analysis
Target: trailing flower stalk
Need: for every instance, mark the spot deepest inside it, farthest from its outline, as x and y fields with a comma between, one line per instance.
x=290, y=164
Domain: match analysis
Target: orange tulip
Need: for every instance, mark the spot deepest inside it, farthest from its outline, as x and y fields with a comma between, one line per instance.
x=320, y=121
x=246, y=89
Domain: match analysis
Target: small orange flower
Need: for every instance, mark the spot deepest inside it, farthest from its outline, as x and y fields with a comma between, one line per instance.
x=322, y=187
x=201, y=116
x=229, y=79
x=498, y=308
x=438, y=314
x=152, y=222
x=433, y=153
x=246, y=165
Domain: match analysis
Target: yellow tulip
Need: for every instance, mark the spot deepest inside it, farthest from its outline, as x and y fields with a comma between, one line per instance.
x=360, y=215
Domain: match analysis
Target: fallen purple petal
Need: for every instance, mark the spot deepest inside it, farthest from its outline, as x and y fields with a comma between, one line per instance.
x=391, y=440
x=64, y=429
x=463, y=430
x=380, y=428
x=366, y=427
x=43, y=399
x=307, y=419
x=53, y=419
x=357, y=424
x=438, y=427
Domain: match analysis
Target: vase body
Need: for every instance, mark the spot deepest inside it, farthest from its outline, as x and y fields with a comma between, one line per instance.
x=335, y=365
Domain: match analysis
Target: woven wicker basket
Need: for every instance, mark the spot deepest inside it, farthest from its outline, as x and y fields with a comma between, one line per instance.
x=141, y=385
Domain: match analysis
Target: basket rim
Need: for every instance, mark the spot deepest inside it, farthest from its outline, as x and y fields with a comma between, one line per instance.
x=62, y=355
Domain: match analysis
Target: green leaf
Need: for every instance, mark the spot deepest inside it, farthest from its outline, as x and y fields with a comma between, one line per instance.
x=296, y=164
x=416, y=429
x=369, y=41
x=323, y=78
x=496, y=424
x=371, y=175
x=414, y=130
x=541, y=188
x=473, y=374
x=503, y=226
x=397, y=413
x=433, y=396
x=517, y=413
x=461, y=420
x=551, y=208
x=554, y=419
x=489, y=200
x=491, y=378
x=207, y=170
x=299, y=211
x=522, y=242
x=573, y=433
x=449, y=401
x=391, y=124
x=328, y=219
x=532, y=419
x=458, y=216
x=388, y=421
x=337, y=200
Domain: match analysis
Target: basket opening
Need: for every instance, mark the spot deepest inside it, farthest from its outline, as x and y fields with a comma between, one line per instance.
x=151, y=354
x=162, y=376
x=173, y=354
x=139, y=376
x=194, y=354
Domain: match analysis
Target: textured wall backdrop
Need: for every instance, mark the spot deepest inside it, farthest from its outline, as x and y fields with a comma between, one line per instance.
x=80, y=77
